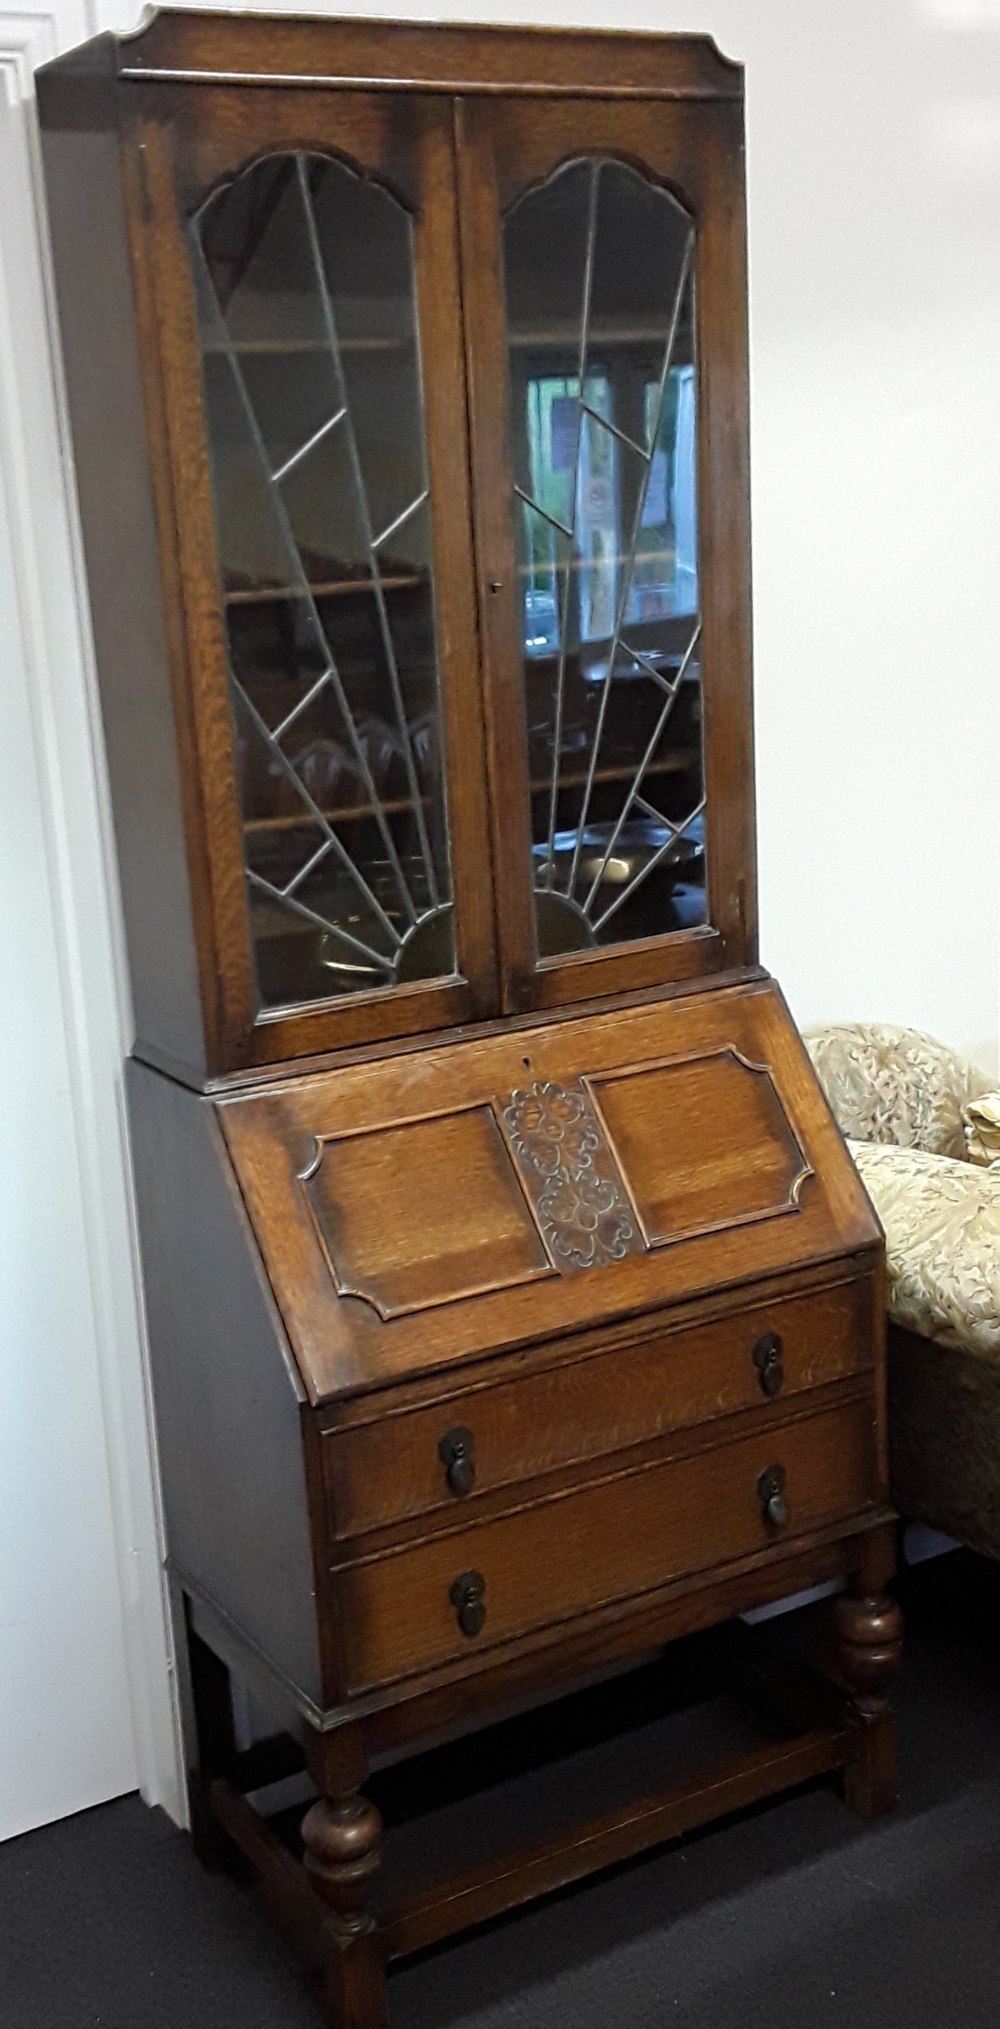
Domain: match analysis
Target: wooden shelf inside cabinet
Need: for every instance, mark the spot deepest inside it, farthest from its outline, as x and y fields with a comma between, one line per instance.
x=677, y=763
x=279, y=348
x=568, y=336
x=333, y=588
x=391, y=806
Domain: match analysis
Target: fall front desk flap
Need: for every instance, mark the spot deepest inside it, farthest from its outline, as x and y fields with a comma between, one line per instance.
x=449, y=1202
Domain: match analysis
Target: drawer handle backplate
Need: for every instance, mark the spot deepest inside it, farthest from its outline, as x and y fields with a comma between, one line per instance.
x=771, y=1494
x=767, y=1357
x=467, y=1596
x=457, y=1454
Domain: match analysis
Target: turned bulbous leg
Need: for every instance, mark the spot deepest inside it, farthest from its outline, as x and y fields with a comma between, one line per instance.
x=868, y=1632
x=342, y=1837
x=869, y=1636
x=343, y=1842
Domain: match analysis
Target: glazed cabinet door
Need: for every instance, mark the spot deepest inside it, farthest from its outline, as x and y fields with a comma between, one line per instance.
x=605, y=303
x=297, y=271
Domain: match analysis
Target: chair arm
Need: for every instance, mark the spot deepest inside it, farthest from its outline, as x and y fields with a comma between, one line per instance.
x=942, y=1234
x=895, y=1085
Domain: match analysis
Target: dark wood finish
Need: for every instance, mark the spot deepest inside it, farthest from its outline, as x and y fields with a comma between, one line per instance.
x=463, y=1306
x=343, y=1849
x=638, y=1824
x=389, y=1467
x=640, y=1807
x=577, y=1474
x=503, y=150
x=944, y=1410
x=278, y=1871
x=542, y=1665
x=719, y=1106
x=489, y=58
x=421, y=1918
x=408, y=145
x=227, y=1395
x=135, y=602
x=205, y=1692
x=506, y=1327
x=546, y=1561
x=184, y=158
x=869, y=1639
x=163, y=148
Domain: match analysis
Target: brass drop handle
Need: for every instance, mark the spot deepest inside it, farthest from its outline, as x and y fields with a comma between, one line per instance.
x=771, y=1494
x=767, y=1358
x=467, y=1596
x=457, y=1454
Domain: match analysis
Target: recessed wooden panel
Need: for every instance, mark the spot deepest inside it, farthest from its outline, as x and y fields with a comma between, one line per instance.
x=702, y=1142
x=624, y=1535
x=682, y=1112
x=423, y=1212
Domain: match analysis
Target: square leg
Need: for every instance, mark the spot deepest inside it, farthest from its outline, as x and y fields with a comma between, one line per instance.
x=209, y=1734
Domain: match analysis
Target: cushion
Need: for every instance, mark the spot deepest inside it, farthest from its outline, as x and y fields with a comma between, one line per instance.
x=895, y=1085
x=942, y=1230
x=981, y=1120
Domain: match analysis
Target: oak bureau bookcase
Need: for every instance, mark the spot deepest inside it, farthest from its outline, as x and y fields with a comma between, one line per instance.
x=514, y=1307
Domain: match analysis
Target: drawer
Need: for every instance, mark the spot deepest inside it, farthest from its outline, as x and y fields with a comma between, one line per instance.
x=395, y=1467
x=621, y=1536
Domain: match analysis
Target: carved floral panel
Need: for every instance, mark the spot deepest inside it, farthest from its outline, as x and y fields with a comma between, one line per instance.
x=570, y=1174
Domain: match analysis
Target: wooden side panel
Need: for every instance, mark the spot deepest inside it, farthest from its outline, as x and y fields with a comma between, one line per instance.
x=227, y=1407
x=97, y=313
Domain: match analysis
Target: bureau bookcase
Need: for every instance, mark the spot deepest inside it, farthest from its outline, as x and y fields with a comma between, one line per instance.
x=514, y=1307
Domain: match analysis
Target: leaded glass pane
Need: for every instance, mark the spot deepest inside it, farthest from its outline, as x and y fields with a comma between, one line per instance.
x=598, y=267
x=304, y=280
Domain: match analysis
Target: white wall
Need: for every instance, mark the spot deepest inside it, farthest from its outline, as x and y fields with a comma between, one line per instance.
x=874, y=178
x=85, y=1696
x=61, y=1633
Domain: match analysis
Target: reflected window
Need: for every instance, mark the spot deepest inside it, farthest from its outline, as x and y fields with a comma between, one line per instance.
x=598, y=267
x=664, y=576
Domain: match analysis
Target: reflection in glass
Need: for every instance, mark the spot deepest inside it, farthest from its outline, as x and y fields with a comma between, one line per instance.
x=304, y=281
x=600, y=309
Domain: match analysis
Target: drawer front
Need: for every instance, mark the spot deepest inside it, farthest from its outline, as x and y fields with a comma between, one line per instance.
x=411, y=1462
x=402, y=1611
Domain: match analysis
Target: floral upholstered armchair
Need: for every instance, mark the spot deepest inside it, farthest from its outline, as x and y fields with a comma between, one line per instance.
x=924, y=1129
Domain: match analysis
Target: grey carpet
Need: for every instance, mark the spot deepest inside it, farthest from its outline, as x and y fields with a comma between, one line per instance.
x=789, y=1917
